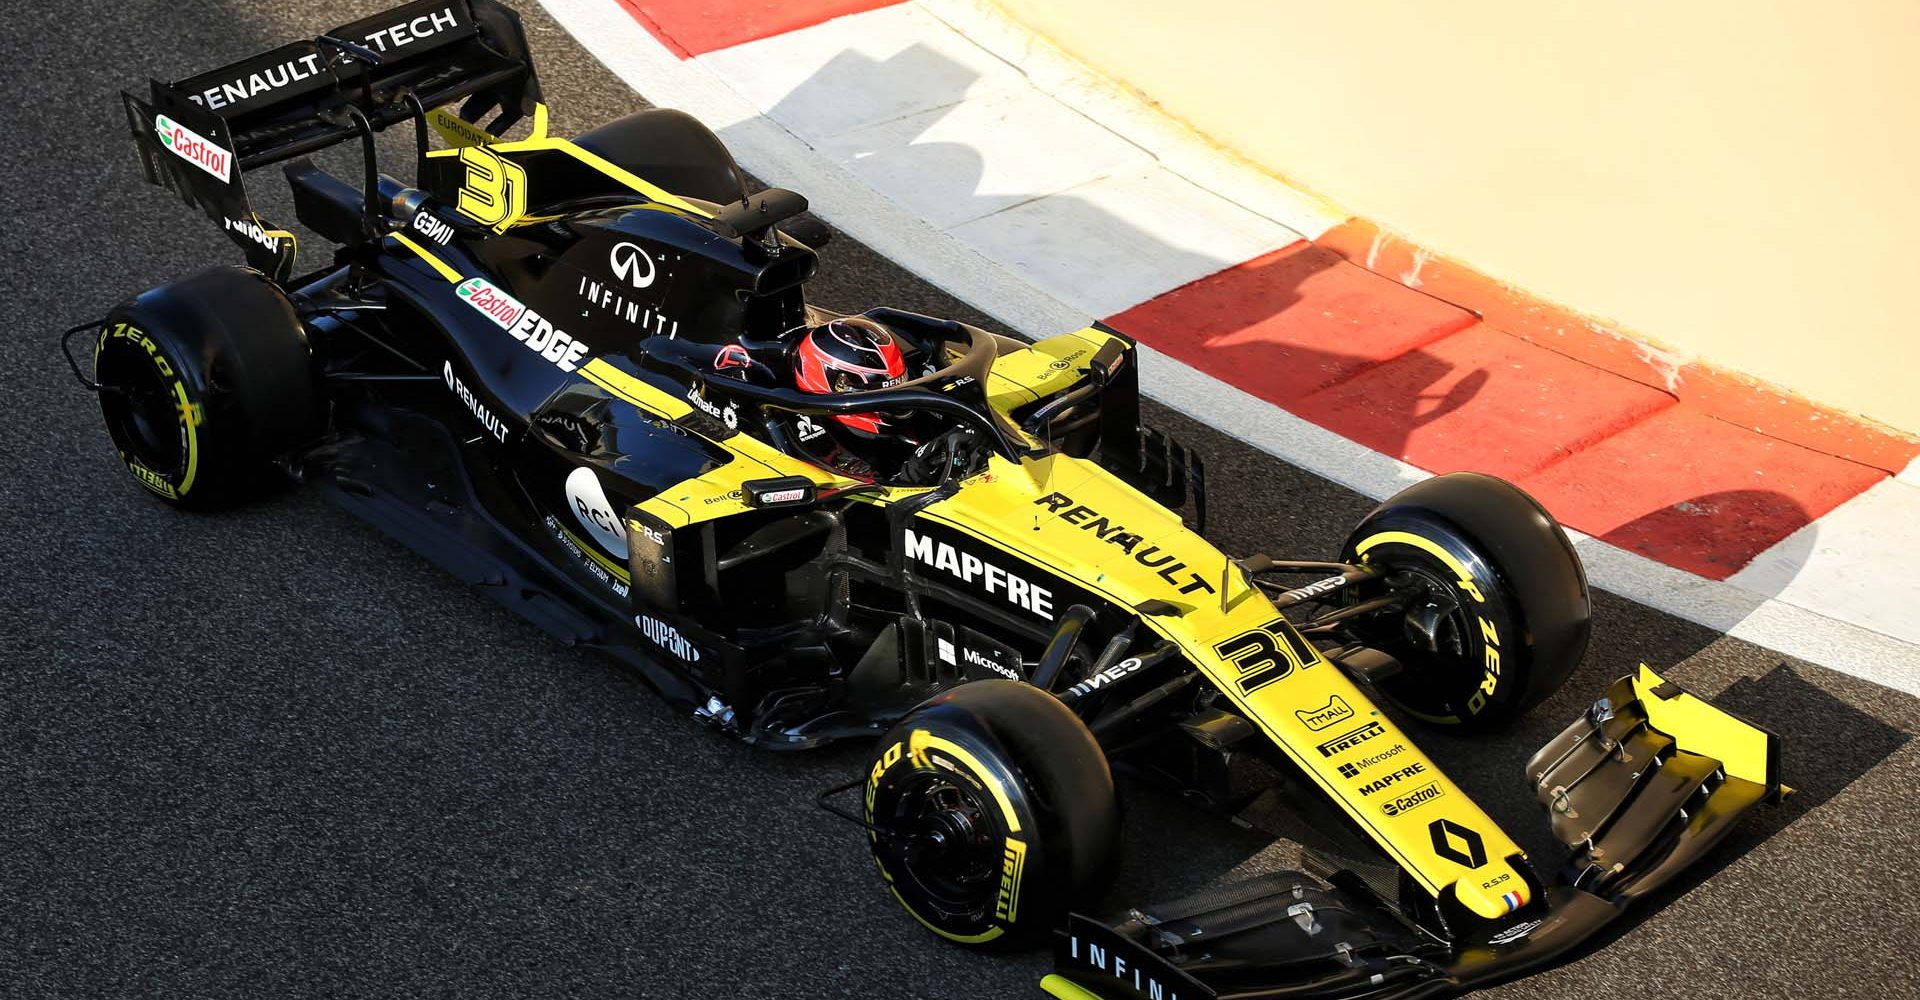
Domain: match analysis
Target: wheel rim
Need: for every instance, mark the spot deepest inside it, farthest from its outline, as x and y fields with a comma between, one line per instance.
x=144, y=415
x=948, y=844
x=1434, y=621
x=1436, y=625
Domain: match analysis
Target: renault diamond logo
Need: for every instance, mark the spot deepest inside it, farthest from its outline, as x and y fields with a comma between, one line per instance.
x=1457, y=844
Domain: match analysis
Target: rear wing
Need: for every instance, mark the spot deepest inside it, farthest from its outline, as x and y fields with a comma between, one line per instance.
x=200, y=135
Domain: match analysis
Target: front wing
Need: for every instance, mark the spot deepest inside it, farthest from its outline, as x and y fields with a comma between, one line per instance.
x=1638, y=789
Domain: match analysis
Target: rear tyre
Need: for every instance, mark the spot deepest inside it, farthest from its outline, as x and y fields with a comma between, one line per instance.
x=1497, y=611
x=992, y=812
x=203, y=382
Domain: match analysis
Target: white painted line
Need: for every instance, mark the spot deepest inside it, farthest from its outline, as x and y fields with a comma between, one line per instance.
x=1841, y=646
x=776, y=154
x=1118, y=241
x=1860, y=562
x=1831, y=642
x=1178, y=147
x=948, y=132
x=766, y=148
x=1911, y=474
x=860, y=70
x=957, y=163
x=612, y=36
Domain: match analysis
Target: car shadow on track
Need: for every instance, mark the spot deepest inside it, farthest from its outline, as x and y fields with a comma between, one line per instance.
x=1069, y=241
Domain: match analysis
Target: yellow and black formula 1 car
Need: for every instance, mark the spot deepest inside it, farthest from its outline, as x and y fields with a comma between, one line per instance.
x=565, y=371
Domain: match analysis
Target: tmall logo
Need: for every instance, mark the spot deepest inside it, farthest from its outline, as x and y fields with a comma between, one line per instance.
x=1334, y=711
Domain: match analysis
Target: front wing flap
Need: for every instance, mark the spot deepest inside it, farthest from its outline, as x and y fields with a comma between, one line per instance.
x=1638, y=789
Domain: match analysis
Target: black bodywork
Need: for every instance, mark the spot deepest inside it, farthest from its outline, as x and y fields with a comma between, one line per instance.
x=457, y=440
x=799, y=619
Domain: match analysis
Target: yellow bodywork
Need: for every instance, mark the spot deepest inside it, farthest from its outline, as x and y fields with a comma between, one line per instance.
x=1745, y=750
x=1076, y=520
x=1319, y=717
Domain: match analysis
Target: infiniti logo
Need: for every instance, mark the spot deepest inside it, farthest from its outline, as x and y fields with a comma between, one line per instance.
x=627, y=261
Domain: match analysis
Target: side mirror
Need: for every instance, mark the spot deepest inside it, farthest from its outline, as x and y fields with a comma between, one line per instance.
x=808, y=229
x=755, y=214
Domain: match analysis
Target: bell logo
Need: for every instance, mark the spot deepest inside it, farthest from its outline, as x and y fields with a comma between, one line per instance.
x=1457, y=843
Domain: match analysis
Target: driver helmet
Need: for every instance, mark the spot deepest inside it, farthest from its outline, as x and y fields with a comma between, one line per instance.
x=851, y=354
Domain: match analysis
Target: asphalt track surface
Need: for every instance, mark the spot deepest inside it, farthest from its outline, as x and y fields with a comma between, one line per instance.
x=271, y=753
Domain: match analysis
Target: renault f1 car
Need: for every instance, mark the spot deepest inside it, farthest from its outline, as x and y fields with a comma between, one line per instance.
x=561, y=369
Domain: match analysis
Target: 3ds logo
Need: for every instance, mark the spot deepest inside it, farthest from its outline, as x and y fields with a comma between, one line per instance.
x=1457, y=844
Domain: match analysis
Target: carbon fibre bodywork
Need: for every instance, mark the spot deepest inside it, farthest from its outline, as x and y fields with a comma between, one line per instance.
x=561, y=370
x=1632, y=803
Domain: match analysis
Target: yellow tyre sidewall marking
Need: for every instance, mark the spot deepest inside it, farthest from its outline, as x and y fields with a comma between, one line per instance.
x=914, y=750
x=1488, y=631
x=189, y=413
x=1430, y=547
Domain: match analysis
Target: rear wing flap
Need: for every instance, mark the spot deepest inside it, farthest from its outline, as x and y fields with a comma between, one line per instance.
x=200, y=135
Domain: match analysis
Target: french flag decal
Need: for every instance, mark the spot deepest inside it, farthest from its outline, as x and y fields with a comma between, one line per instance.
x=1512, y=899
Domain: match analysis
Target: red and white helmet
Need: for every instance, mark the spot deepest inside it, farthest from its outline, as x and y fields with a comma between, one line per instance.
x=852, y=354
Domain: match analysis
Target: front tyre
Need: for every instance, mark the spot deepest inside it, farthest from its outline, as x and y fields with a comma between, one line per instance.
x=1494, y=610
x=991, y=812
x=202, y=382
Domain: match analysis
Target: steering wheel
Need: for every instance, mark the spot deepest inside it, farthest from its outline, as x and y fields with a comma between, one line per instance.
x=956, y=453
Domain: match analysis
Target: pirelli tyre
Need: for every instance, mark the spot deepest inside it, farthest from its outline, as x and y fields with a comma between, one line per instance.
x=991, y=812
x=1495, y=609
x=202, y=382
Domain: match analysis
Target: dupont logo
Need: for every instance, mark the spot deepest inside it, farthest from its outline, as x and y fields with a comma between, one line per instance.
x=194, y=148
x=1335, y=711
x=1347, y=741
x=668, y=638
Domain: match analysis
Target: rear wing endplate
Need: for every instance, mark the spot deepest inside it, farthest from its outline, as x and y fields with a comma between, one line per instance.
x=198, y=136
